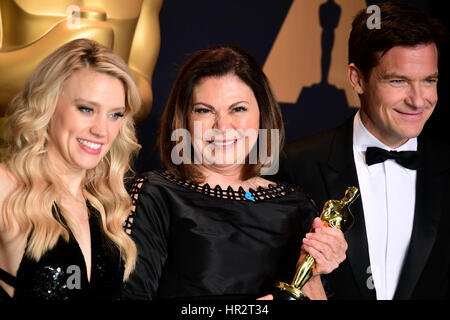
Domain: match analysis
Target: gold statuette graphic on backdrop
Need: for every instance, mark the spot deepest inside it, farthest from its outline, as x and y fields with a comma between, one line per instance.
x=335, y=214
x=31, y=30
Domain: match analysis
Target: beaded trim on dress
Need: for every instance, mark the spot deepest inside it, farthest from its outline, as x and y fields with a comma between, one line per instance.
x=271, y=192
x=260, y=194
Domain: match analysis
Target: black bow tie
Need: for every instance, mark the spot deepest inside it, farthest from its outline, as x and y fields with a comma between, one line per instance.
x=407, y=159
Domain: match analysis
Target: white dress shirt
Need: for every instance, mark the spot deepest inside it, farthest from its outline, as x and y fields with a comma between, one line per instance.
x=388, y=193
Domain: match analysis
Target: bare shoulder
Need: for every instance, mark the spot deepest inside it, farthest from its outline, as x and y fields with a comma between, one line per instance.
x=12, y=240
x=7, y=185
x=7, y=182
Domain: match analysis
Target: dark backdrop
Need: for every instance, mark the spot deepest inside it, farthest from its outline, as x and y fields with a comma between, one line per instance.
x=187, y=26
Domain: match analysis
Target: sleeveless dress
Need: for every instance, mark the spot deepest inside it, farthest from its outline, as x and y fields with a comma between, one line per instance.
x=61, y=272
x=198, y=242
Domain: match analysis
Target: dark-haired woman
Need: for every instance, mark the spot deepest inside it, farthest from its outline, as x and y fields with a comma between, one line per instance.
x=209, y=225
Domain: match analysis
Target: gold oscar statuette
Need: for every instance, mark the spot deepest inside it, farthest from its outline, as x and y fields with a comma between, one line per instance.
x=335, y=214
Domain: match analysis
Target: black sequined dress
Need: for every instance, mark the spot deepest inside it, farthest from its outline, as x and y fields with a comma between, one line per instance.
x=199, y=242
x=61, y=273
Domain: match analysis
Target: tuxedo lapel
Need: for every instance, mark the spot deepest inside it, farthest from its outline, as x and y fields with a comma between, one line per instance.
x=339, y=173
x=429, y=185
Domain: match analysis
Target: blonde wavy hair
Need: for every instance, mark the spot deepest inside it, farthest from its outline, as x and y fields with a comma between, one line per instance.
x=32, y=203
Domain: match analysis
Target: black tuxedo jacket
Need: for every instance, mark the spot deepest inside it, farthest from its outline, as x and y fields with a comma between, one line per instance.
x=323, y=166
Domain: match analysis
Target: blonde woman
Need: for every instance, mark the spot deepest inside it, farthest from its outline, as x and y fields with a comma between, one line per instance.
x=70, y=136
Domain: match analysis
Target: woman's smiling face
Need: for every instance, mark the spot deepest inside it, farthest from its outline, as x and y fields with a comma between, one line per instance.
x=86, y=120
x=224, y=120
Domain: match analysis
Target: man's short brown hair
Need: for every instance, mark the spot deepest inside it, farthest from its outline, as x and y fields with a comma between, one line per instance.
x=401, y=25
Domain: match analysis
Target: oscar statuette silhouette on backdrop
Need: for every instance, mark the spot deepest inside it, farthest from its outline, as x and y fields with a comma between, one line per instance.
x=30, y=30
x=323, y=103
x=335, y=214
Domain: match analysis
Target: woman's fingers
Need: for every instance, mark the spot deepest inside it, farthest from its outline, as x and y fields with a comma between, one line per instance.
x=327, y=246
x=268, y=297
x=328, y=240
x=324, y=265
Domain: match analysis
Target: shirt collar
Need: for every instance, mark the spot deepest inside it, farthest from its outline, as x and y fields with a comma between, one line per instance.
x=362, y=138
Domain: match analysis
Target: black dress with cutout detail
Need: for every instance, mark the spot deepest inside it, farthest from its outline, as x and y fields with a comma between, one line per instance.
x=195, y=241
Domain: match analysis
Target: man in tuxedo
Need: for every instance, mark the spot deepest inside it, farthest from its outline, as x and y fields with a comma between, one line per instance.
x=399, y=244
